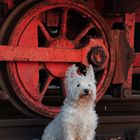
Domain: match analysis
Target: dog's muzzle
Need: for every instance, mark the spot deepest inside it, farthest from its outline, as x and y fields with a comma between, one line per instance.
x=86, y=92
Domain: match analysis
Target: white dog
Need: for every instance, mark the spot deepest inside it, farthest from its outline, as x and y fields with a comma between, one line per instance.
x=77, y=119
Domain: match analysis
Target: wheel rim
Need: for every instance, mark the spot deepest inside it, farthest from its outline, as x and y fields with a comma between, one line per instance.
x=32, y=82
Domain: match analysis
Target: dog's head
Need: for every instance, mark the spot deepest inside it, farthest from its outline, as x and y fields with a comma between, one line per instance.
x=80, y=87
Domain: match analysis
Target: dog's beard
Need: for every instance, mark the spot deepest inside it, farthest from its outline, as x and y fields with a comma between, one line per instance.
x=86, y=99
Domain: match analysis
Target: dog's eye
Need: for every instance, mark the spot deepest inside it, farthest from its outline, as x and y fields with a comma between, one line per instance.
x=89, y=85
x=78, y=85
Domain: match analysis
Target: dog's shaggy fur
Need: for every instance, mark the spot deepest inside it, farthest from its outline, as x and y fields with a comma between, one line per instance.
x=77, y=119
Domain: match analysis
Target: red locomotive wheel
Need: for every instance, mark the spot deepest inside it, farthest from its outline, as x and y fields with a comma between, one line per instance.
x=65, y=25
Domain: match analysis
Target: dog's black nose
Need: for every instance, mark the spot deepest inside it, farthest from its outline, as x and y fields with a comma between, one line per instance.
x=86, y=91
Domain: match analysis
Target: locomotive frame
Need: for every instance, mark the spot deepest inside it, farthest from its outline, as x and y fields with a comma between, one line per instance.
x=113, y=52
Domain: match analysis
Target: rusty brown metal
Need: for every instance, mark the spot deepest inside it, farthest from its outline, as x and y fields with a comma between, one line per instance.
x=122, y=62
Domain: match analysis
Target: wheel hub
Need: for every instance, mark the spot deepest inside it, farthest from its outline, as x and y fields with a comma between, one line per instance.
x=98, y=56
x=59, y=69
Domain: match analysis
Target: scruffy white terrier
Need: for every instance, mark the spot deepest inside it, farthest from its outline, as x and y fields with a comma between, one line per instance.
x=77, y=119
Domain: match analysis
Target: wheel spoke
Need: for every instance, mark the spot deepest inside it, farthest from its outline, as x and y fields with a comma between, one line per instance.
x=49, y=79
x=64, y=21
x=45, y=32
x=29, y=75
x=83, y=32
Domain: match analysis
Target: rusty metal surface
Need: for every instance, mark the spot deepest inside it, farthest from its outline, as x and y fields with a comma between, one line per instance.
x=117, y=118
x=26, y=129
x=52, y=54
x=123, y=60
x=53, y=32
x=123, y=112
x=56, y=43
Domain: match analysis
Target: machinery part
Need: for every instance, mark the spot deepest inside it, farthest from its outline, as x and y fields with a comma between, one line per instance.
x=54, y=25
x=98, y=56
x=126, y=93
x=3, y=40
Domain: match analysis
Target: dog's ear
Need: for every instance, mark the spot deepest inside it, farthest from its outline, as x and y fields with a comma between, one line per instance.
x=90, y=73
x=72, y=71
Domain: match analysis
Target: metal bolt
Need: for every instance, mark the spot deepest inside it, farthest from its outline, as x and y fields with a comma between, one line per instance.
x=97, y=56
x=126, y=93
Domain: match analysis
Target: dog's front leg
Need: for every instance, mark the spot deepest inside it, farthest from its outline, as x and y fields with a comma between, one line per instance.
x=69, y=138
x=91, y=136
x=69, y=133
x=88, y=136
